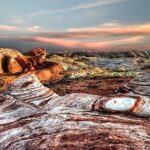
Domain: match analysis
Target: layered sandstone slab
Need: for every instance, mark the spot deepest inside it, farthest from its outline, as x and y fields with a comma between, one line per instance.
x=34, y=117
x=138, y=86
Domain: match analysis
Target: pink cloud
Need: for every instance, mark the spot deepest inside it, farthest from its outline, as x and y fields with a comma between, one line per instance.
x=132, y=36
x=76, y=44
x=126, y=41
x=8, y=28
x=112, y=29
x=54, y=41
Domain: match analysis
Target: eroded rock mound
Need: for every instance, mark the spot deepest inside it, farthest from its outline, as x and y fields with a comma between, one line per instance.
x=35, y=59
x=34, y=117
x=14, y=64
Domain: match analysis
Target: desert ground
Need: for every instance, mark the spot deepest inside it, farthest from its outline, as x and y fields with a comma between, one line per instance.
x=74, y=100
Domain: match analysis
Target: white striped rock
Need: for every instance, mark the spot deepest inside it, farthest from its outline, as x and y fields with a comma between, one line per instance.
x=33, y=117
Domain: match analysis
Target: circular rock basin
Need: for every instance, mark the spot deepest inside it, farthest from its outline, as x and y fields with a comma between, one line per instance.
x=120, y=104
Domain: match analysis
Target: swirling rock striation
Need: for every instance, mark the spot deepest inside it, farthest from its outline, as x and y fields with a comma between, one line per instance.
x=34, y=117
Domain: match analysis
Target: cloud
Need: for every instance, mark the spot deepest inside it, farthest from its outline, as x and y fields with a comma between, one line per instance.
x=76, y=44
x=105, y=30
x=115, y=30
x=25, y=44
x=96, y=3
x=53, y=41
x=112, y=43
x=108, y=36
x=21, y=29
x=34, y=29
x=8, y=28
x=87, y=5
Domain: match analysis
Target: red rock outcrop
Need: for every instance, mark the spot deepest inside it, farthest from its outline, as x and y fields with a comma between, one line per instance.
x=37, y=52
x=35, y=59
x=52, y=72
x=6, y=56
x=34, y=117
x=13, y=64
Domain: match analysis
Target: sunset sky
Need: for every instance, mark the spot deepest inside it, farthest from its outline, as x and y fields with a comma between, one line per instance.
x=94, y=25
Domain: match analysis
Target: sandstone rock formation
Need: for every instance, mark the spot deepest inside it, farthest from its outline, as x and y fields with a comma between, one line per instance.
x=138, y=86
x=14, y=64
x=52, y=72
x=34, y=117
x=5, y=55
x=35, y=59
x=37, y=52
